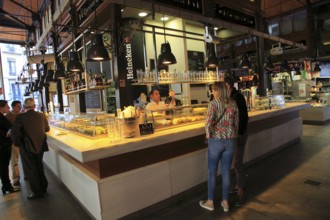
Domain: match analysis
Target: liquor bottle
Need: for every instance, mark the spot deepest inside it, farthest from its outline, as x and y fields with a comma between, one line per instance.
x=104, y=78
x=91, y=78
x=83, y=81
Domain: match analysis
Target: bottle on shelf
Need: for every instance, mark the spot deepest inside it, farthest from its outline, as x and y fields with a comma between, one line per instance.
x=91, y=78
x=82, y=80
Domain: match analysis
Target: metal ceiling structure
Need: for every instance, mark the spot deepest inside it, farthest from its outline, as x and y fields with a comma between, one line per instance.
x=18, y=18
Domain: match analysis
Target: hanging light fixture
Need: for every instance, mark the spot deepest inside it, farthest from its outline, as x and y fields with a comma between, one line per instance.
x=268, y=65
x=212, y=60
x=284, y=66
x=317, y=67
x=97, y=51
x=49, y=77
x=74, y=64
x=245, y=62
x=166, y=56
x=59, y=69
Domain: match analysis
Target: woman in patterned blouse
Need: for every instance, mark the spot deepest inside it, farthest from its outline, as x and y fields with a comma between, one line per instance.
x=221, y=127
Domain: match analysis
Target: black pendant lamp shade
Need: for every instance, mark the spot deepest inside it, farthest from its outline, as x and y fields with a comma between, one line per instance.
x=166, y=56
x=245, y=62
x=97, y=52
x=317, y=67
x=49, y=77
x=212, y=60
x=59, y=70
x=268, y=65
x=27, y=91
x=41, y=82
x=284, y=66
x=74, y=64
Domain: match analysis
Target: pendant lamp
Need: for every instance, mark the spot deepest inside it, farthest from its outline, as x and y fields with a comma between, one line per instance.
x=166, y=56
x=49, y=77
x=245, y=62
x=317, y=68
x=212, y=60
x=41, y=81
x=74, y=64
x=97, y=51
x=268, y=65
x=284, y=66
x=27, y=92
x=59, y=69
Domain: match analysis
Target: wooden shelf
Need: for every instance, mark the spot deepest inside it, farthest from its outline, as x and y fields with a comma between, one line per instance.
x=172, y=82
x=75, y=91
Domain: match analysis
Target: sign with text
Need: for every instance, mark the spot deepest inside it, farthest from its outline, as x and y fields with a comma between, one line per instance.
x=145, y=129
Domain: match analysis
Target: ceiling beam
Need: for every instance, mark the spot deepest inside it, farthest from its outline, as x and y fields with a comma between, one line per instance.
x=34, y=14
x=26, y=26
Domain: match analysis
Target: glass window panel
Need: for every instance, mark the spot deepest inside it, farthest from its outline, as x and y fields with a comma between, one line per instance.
x=286, y=25
x=273, y=29
x=300, y=22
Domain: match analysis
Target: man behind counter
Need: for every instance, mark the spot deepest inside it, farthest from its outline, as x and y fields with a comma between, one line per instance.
x=156, y=103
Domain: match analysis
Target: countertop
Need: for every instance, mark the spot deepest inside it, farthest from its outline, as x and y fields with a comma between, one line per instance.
x=84, y=149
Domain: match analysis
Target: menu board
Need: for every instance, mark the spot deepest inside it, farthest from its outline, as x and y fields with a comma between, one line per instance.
x=195, y=60
x=93, y=99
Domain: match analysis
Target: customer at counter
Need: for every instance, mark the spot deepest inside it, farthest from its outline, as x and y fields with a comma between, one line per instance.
x=156, y=103
x=29, y=134
x=221, y=127
x=241, y=138
x=5, y=149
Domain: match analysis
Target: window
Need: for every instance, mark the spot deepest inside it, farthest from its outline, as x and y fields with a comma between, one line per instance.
x=300, y=21
x=273, y=28
x=10, y=48
x=12, y=67
x=286, y=27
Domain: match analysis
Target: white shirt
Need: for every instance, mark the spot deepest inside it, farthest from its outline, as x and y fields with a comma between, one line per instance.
x=152, y=106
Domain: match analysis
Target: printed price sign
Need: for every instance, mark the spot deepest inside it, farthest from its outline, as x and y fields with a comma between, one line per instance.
x=146, y=129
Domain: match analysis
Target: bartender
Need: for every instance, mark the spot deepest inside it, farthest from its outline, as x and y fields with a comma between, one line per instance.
x=156, y=103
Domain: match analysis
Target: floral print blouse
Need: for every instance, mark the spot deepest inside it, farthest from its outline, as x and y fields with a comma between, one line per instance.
x=227, y=127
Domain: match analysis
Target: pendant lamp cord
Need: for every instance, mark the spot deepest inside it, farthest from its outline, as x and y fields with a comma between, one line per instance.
x=95, y=17
x=164, y=28
x=73, y=18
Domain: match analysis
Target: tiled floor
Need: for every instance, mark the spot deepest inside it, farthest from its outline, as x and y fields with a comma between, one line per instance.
x=276, y=190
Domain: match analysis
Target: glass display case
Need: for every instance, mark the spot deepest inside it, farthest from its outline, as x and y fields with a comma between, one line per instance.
x=176, y=116
x=89, y=125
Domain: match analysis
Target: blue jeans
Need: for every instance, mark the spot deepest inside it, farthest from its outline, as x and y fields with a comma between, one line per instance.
x=219, y=149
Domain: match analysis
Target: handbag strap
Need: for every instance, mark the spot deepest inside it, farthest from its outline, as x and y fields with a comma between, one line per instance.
x=220, y=117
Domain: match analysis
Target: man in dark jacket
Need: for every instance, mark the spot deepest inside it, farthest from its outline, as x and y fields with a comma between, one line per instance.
x=28, y=133
x=241, y=140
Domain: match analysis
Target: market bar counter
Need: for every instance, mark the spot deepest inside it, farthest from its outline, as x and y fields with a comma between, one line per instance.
x=112, y=180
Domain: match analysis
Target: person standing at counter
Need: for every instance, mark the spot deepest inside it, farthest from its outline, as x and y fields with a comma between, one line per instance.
x=29, y=134
x=241, y=138
x=221, y=127
x=5, y=149
x=16, y=107
x=156, y=103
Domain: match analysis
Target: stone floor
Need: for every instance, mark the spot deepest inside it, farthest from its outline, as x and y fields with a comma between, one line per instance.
x=291, y=184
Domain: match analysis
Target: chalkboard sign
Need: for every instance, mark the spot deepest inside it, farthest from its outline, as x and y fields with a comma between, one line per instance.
x=195, y=61
x=93, y=99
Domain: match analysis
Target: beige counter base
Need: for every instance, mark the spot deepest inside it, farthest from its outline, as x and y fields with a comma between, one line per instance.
x=315, y=115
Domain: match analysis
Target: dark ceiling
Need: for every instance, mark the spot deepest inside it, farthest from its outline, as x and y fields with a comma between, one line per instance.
x=18, y=17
